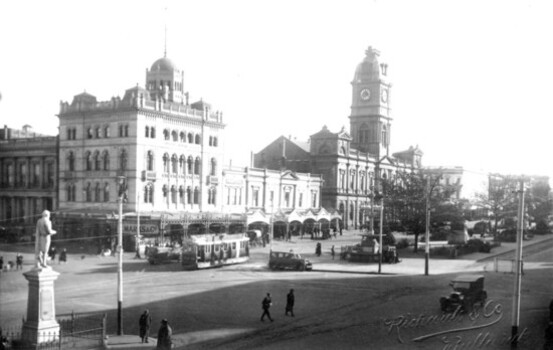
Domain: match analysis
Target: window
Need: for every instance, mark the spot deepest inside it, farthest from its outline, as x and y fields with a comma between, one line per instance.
x=213, y=170
x=212, y=194
x=153, y=132
x=287, y=197
x=88, y=193
x=173, y=194
x=190, y=138
x=121, y=130
x=175, y=136
x=97, y=161
x=106, y=131
x=98, y=132
x=189, y=195
x=175, y=164
x=165, y=191
x=255, y=196
x=182, y=136
x=106, y=192
x=314, y=201
x=215, y=141
x=197, y=140
x=352, y=179
x=71, y=162
x=166, y=164
x=69, y=133
x=69, y=190
x=150, y=161
x=126, y=131
x=182, y=194
x=197, y=166
x=50, y=173
x=342, y=179
x=11, y=175
x=36, y=174
x=166, y=135
x=22, y=174
x=147, y=132
x=300, y=201
x=123, y=163
x=363, y=134
x=362, y=181
x=190, y=165
x=88, y=161
x=89, y=133
x=196, y=195
x=149, y=193
x=105, y=158
x=211, y=140
x=182, y=164
x=97, y=193
x=384, y=135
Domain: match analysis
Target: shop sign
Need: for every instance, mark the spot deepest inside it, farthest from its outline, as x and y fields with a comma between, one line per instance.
x=146, y=228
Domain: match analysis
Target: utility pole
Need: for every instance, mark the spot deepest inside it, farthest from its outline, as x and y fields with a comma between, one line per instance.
x=380, y=235
x=122, y=193
x=427, y=228
x=520, y=236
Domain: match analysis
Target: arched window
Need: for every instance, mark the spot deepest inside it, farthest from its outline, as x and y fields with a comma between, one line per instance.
x=189, y=195
x=97, y=161
x=182, y=164
x=175, y=164
x=147, y=132
x=196, y=195
x=182, y=136
x=213, y=170
x=215, y=141
x=106, y=160
x=106, y=192
x=198, y=139
x=182, y=195
x=88, y=161
x=363, y=133
x=123, y=160
x=90, y=133
x=166, y=164
x=126, y=130
x=150, y=161
x=173, y=194
x=175, y=136
x=190, y=165
x=106, y=131
x=71, y=161
x=153, y=132
x=190, y=138
x=98, y=132
x=69, y=190
x=351, y=211
x=211, y=140
x=69, y=133
x=88, y=192
x=97, y=193
x=166, y=135
x=197, y=165
x=121, y=130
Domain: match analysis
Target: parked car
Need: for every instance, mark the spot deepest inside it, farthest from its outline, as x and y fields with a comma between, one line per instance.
x=467, y=291
x=288, y=261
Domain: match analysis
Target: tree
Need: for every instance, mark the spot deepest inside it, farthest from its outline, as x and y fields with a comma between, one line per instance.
x=501, y=198
x=405, y=197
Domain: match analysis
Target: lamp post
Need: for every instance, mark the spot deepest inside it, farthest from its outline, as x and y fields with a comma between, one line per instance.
x=121, y=181
x=380, y=236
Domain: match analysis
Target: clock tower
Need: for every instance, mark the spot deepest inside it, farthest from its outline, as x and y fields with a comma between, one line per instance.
x=370, y=121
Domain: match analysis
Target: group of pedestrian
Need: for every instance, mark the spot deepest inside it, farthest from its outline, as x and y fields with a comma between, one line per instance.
x=267, y=302
x=164, y=334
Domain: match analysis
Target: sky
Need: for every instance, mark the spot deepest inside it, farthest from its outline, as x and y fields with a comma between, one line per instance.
x=471, y=80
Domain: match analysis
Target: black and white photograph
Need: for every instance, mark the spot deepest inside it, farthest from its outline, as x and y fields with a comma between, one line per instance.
x=241, y=174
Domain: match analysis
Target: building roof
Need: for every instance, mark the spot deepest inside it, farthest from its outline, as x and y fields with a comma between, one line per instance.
x=163, y=64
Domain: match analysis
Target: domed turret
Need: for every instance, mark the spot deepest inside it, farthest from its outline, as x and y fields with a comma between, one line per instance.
x=164, y=81
x=369, y=68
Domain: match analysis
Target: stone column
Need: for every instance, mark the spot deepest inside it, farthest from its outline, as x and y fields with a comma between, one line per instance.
x=41, y=325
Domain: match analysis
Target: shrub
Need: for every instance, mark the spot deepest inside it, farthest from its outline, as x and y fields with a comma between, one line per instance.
x=402, y=243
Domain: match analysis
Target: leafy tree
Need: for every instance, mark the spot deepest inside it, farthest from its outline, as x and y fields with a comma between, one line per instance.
x=405, y=199
x=501, y=198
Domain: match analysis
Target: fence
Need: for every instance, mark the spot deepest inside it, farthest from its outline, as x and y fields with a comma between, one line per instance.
x=77, y=331
x=502, y=265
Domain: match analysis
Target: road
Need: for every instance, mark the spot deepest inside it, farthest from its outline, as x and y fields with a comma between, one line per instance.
x=220, y=308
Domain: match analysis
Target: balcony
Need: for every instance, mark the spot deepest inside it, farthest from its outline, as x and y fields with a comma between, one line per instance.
x=212, y=180
x=148, y=175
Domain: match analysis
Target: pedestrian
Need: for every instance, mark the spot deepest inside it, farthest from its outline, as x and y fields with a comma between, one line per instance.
x=63, y=256
x=332, y=252
x=290, y=303
x=266, y=305
x=52, y=254
x=164, y=335
x=19, y=261
x=144, y=324
x=318, y=249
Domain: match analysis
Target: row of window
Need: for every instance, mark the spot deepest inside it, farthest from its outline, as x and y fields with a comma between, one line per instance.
x=182, y=137
x=360, y=181
x=363, y=134
x=287, y=199
x=97, y=161
x=20, y=176
x=98, y=132
x=181, y=165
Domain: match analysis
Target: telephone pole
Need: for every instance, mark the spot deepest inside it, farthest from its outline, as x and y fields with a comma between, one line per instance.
x=518, y=265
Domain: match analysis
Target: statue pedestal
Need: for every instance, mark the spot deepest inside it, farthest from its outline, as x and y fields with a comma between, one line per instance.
x=41, y=325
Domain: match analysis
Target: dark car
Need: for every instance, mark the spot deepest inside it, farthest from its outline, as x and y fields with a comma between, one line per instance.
x=288, y=261
x=467, y=291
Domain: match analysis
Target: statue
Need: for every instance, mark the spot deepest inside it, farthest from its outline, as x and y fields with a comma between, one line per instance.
x=43, y=236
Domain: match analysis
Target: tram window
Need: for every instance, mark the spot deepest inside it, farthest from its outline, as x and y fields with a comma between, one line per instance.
x=207, y=248
x=216, y=248
x=224, y=246
x=233, y=245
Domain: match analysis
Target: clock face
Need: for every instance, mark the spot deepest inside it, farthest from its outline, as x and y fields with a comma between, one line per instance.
x=365, y=94
x=384, y=96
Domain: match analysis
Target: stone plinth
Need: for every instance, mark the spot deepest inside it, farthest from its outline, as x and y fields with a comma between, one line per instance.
x=41, y=325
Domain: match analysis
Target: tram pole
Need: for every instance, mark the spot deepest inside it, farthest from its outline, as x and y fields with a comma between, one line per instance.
x=122, y=192
x=518, y=257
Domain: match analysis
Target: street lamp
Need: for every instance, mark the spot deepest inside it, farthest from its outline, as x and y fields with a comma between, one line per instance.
x=121, y=181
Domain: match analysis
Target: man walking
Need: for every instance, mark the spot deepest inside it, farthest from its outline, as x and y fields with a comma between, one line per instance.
x=144, y=323
x=265, y=305
x=164, y=336
x=290, y=303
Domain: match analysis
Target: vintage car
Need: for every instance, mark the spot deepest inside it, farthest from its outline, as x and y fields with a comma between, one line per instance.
x=162, y=255
x=288, y=261
x=467, y=291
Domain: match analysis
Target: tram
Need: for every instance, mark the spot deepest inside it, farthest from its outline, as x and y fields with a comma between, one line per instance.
x=212, y=250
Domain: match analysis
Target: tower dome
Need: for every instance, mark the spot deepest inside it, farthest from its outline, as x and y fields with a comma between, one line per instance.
x=164, y=64
x=369, y=68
